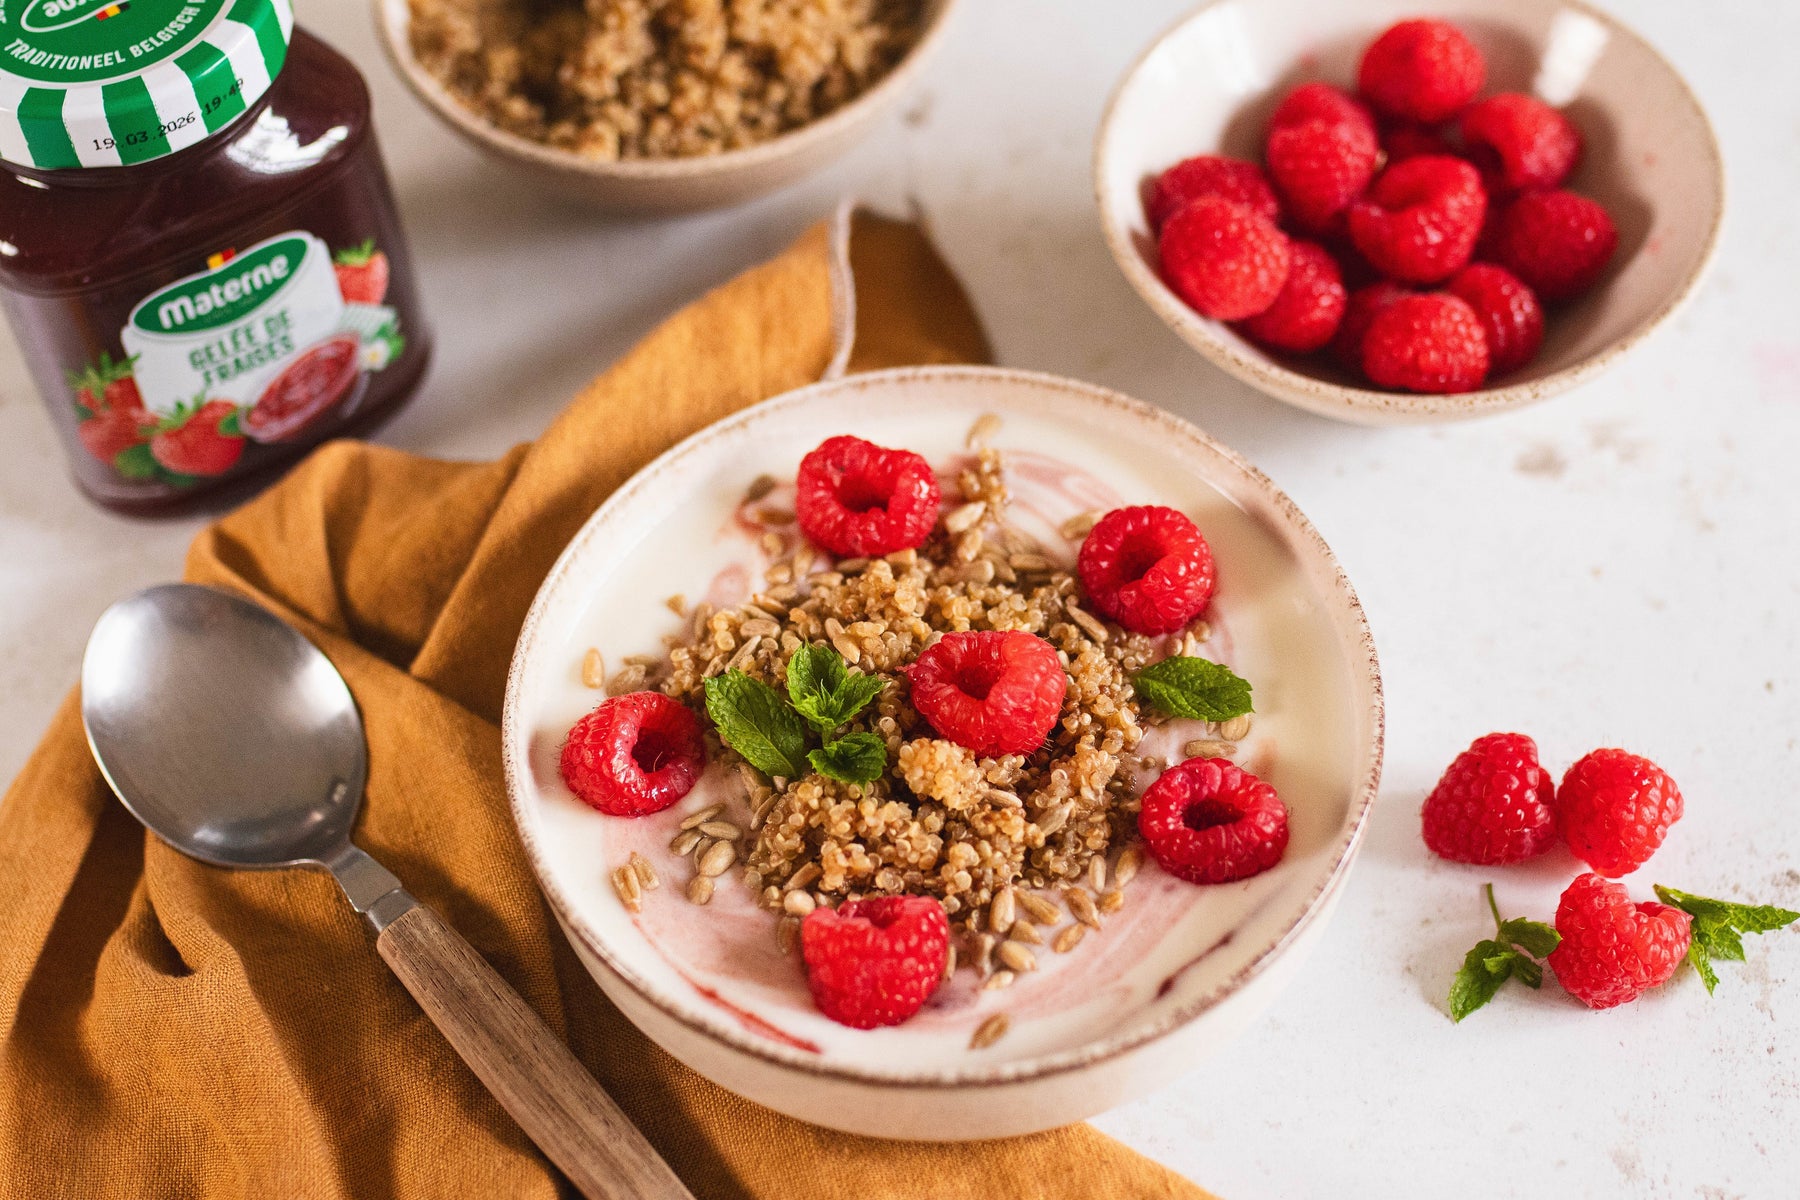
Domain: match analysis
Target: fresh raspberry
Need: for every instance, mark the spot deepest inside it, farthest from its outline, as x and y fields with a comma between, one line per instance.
x=635, y=754
x=1421, y=70
x=1319, y=167
x=1208, y=820
x=1509, y=311
x=1146, y=567
x=1224, y=258
x=1614, y=809
x=1321, y=102
x=1419, y=221
x=1309, y=308
x=1612, y=950
x=1359, y=313
x=1519, y=142
x=1557, y=242
x=876, y=961
x=1426, y=343
x=1210, y=175
x=1493, y=804
x=857, y=499
x=1401, y=140
x=995, y=692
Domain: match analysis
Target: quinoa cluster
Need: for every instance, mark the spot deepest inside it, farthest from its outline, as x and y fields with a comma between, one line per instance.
x=941, y=821
x=642, y=79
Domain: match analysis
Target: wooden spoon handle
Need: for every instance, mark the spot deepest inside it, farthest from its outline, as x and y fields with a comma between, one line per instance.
x=527, y=1068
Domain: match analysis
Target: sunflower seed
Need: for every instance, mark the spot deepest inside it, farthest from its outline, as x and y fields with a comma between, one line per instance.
x=1110, y=902
x=902, y=558
x=776, y=516
x=1236, y=729
x=798, y=904
x=760, y=627
x=700, y=889
x=787, y=934
x=744, y=653
x=1069, y=938
x=968, y=547
x=983, y=947
x=1037, y=908
x=1130, y=859
x=850, y=566
x=646, y=873
x=759, y=487
x=627, y=679
x=949, y=963
x=803, y=877
x=1016, y=957
x=1028, y=562
x=1001, y=911
x=1097, y=873
x=1055, y=819
x=1208, y=748
x=1025, y=931
x=696, y=819
x=725, y=831
x=966, y=517
x=631, y=892
x=1082, y=905
x=989, y=1031
x=593, y=669
x=999, y=979
x=684, y=842
x=772, y=543
x=1090, y=624
x=1004, y=799
x=677, y=604
x=718, y=859
x=1080, y=525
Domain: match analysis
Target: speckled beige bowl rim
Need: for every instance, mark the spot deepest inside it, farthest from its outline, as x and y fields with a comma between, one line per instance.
x=1358, y=643
x=1369, y=404
x=426, y=87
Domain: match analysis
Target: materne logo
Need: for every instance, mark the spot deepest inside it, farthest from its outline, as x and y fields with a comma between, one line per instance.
x=47, y=16
x=222, y=295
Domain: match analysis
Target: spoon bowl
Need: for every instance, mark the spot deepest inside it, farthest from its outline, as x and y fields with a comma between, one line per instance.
x=222, y=729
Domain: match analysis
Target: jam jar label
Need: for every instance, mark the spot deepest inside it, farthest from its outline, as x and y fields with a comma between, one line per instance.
x=258, y=347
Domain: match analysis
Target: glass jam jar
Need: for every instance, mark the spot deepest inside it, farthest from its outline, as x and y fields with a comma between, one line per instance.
x=199, y=252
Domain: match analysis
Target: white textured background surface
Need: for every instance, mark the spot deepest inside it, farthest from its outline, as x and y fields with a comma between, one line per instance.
x=1615, y=567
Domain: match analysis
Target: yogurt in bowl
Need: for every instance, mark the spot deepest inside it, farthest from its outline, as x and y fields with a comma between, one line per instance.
x=1169, y=970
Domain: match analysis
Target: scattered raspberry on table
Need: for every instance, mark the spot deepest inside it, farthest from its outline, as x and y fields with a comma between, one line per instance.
x=1147, y=567
x=634, y=754
x=1612, y=951
x=1492, y=805
x=860, y=500
x=1208, y=820
x=875, y=961
x=1614, y=809
x=994, y=691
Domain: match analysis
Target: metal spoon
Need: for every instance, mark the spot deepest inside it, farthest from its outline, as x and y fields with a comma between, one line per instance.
x=237, y=742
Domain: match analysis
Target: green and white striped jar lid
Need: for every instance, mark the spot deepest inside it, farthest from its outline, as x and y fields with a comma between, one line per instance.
x=107, y=83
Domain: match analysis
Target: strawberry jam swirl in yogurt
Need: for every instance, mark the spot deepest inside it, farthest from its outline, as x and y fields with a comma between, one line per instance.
x=950, y=746
x=203, y=262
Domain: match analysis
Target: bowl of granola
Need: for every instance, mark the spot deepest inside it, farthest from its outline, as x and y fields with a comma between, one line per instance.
x=944, y=753
x=658, y=106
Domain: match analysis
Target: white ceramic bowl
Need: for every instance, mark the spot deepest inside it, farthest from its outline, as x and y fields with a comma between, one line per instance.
x=1176, y=971
x=667, y=185
x=1208, y=85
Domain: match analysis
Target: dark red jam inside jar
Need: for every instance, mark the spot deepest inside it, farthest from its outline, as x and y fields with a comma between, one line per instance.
x=199, y=251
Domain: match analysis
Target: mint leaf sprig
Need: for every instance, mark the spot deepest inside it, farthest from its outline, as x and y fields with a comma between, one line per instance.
x=1196, y=688
x=1719, y=926
x=773, y=732
x=1515, y=953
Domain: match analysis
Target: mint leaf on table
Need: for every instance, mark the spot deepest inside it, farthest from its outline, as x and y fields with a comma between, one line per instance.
x=825, y=691
x=754, y=719
x=1514, y=954
x=1719, y=926
x=1196, y=688
x=853, y=758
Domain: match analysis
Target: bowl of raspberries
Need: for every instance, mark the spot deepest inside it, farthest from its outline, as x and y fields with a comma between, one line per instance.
x=1392, y=218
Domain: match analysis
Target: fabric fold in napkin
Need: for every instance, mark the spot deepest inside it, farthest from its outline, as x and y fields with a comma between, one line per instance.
x=174, y=1030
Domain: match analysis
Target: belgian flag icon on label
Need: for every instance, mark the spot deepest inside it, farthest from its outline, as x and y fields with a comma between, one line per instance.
x=112, y=10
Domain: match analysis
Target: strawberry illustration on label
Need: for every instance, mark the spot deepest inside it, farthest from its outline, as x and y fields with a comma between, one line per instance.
x=203, y=438
x=316, y=381
x=112, y=413
x=362, y=273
